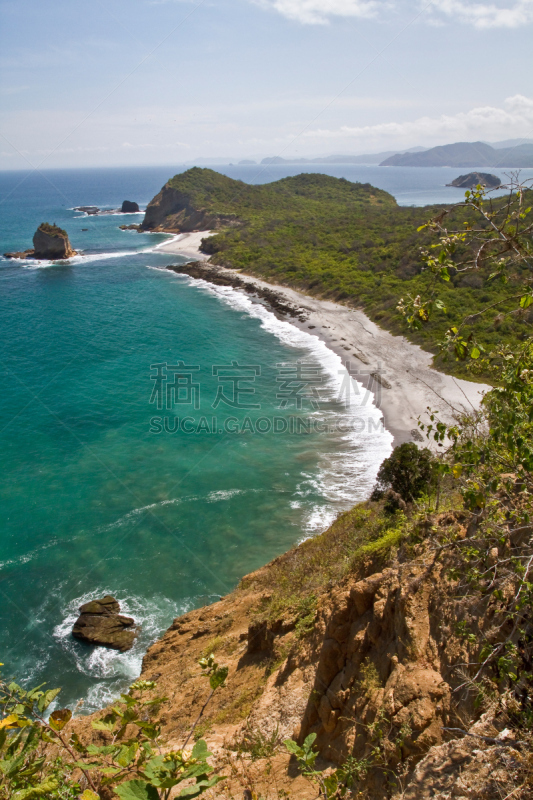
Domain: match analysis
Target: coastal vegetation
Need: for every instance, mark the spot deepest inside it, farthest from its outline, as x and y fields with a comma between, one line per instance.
x=51, y=229
x=350, y=242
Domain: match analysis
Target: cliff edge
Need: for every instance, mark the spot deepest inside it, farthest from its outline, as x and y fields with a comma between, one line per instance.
x=358, y=636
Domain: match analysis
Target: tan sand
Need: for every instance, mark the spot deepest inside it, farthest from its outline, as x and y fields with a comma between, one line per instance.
x=408, y=383
x=186, y=244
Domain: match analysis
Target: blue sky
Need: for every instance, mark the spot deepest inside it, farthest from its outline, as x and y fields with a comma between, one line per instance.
x=116, y=82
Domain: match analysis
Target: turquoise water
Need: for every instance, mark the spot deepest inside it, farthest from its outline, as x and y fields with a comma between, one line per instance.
x=96, y=496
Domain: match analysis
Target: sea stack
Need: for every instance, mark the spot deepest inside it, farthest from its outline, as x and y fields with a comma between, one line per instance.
x=49, y=242
x=100, y=623
x=129, y=207
x=471, y=180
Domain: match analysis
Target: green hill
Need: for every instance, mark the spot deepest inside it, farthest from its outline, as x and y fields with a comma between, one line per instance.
x=329, y=237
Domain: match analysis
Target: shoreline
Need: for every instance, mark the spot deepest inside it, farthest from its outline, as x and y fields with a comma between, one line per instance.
x=399, y=373
x=185, y=244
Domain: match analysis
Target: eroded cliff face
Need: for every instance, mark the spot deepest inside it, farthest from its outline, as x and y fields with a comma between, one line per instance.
x=172, y=211
x=51, y=242
x=374, y=670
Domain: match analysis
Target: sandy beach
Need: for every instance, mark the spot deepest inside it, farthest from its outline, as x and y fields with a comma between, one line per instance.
x=398, y=372
x=186, y=244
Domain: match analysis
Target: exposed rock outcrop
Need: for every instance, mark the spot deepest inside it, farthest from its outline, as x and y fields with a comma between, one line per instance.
x=173, y=211
x=89, y=210
x=373, y=668
x=471, y=180
x=100, y=623
x=50, y=242
x=129, y=207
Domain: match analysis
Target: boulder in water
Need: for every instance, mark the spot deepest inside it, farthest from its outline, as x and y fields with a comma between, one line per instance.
x=129, y=207
x=100, y=623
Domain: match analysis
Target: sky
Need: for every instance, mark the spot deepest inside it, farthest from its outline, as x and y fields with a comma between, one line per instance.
x=141, y=82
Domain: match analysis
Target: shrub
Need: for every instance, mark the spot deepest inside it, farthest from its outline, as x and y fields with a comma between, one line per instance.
x=408, y=471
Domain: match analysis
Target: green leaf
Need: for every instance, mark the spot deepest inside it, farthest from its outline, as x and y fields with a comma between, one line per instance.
x=99, y=725
x=200, y=750
x=89, y=795
x=127, y=754
x=137, y=790
x=309, y=740
x=292, y=747
x=526, y=301
x=42, y=790
x=47, y=698
x=218, y=677
x=200, y=787
x=475, y=352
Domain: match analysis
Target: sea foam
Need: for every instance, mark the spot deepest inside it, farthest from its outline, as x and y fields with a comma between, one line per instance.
x=346, y=473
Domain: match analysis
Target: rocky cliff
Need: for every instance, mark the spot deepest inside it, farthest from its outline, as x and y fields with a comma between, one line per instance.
x=367, y=651
x=177, y=212
x=51, y=241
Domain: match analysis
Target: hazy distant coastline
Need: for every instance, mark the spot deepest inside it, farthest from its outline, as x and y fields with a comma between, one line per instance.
x=509, y=153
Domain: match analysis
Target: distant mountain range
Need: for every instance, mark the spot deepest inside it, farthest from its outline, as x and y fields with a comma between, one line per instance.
x=465, y=154
x=337, y=158
x=509, y=153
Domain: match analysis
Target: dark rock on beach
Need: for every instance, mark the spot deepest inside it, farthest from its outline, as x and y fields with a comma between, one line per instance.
x=471, y=180
x=100, y=623
x=49, y=242
x=129, y=207
x=133, y=227
x=221, y=277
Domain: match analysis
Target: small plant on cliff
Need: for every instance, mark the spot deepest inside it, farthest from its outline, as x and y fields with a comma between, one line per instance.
x=131, y=762
x=335, y=784
x=409, y=472
x=25, y=771
x=52, y=230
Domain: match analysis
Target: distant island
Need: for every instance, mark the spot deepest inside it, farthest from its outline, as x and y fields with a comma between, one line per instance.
x=510, y=153
x=476, y=179
x=366, y=158
x=465, y=154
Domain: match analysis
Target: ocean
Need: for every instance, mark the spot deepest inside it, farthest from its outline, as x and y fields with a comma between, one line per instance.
x=152, y=444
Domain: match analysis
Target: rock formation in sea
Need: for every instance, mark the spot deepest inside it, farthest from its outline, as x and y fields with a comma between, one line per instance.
x=49, y=242
x=100, y=623
x=133, y=227
x=472, y=179
x=90, y=210
x=129, y=207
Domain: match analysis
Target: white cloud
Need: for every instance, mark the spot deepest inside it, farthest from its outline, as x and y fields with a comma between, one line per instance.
x=486, y=15
x=318, y=12
x=515, y=119
x=498, y=14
